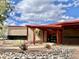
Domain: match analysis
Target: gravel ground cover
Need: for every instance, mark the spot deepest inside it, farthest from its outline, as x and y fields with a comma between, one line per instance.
x=54, y=53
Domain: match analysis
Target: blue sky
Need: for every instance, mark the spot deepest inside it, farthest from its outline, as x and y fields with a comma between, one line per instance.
x=42, y=12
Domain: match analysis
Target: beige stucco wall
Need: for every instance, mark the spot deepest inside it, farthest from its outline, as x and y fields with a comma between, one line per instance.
x=38, y=38
x=17, y=30
x=30, y=34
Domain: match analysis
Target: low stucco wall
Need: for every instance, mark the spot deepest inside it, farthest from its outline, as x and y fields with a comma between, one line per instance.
x=11, y=42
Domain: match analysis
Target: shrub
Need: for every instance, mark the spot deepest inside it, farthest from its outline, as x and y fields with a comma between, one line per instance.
x=48, y=46
x=23, y=47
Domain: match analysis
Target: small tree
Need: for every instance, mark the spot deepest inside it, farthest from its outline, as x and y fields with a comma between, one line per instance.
x=4, y=7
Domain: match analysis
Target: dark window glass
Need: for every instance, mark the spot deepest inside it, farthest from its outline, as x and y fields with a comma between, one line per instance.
x=17, y=37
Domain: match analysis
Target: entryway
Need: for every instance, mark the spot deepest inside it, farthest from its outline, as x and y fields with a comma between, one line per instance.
x=51, y=38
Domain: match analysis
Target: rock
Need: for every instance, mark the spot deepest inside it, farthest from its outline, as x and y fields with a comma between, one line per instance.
x=56, y=53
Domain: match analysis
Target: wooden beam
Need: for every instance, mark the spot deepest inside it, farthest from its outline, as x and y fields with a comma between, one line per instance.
x=43, y=35
x=61, y=36
x=27, y=34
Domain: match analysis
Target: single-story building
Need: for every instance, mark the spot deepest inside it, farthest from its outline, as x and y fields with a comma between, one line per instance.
x=59, y=33
x=17, y=33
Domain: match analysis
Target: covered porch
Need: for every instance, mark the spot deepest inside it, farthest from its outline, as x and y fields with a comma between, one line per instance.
x=48, y=33
x=65, y=32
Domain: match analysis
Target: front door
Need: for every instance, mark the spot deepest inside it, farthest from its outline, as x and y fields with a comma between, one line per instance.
x=51, y=38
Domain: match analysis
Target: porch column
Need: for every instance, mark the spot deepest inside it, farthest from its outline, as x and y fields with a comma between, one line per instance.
x=59, y=36
x=33, y=36
x=27, y=33
x=43, y=35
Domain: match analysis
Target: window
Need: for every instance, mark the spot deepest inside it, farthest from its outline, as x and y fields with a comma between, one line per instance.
x=17, y=37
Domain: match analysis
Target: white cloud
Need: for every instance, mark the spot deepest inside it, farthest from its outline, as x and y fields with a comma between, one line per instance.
x=76, y=3
x=23, y=24
x=10, y=22
x=62, y=20
x=32, y=10
x=67, y=17
x=65, y=5
x=36, y=9
x=63, y=0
